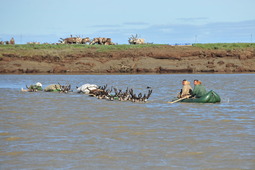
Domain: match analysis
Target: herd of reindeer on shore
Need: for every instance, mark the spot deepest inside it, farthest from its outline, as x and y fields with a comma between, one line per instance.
x=78, y=40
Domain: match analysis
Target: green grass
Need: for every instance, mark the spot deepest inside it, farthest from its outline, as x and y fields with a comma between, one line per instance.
x=36, y=46
x=105, y=48
x=225, y=46
x=62, y=49
x=74, y=46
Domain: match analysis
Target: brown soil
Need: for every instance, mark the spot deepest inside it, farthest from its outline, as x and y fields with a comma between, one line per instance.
x=166, y=59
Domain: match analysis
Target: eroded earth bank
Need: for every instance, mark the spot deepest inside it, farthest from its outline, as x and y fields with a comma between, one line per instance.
x=148, y=59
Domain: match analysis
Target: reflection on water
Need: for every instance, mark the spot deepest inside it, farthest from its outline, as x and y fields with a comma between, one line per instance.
x=74, y=131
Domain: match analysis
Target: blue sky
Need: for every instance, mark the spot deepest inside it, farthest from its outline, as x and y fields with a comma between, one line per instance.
x=157, y=21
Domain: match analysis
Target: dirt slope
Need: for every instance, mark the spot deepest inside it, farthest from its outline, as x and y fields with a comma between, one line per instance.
x=163, y=59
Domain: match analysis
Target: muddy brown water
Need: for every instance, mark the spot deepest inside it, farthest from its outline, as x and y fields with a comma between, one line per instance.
x=74, y=131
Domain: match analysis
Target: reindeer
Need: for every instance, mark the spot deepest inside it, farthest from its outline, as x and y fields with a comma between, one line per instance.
x=146, y=97
x=58, y=88
x=72, y=40
x=135, y=40
x=102, y=41
x=98, y=40
x=140, y=97
x=85, y=40
x=100, y=92
x=119, y=95
x=108, y=41
x=32, y=88
x=64, y=89
x=125, y=95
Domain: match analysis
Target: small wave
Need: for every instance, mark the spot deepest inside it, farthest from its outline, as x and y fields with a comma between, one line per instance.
x=13, y=138
x=13, y=153
x=225, y=100
x=4, y=133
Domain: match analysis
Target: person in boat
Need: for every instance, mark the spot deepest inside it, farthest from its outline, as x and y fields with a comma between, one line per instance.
x=186, y=89
x=33, y=88
x=199, y=90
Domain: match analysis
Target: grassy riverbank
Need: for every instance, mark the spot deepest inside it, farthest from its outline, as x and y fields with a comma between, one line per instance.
x=147, y=58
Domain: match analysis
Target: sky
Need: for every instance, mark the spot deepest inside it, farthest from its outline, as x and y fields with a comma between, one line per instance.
x=157, y=21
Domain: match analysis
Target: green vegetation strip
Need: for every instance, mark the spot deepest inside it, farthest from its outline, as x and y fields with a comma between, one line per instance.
x=226, y=46
x=103, y=48
x=73, y=46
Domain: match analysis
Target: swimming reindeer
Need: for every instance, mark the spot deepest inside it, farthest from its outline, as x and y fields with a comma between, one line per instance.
x=101, y=92
x=58, y=88
x=64, y=89
x=140, y=97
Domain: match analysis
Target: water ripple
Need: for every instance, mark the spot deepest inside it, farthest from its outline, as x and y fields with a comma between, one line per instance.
x=74, y=131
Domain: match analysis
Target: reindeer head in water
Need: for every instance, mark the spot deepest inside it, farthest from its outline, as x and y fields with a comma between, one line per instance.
x=65, y=89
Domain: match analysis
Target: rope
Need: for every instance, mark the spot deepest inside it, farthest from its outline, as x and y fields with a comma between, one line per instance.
x=158, y=99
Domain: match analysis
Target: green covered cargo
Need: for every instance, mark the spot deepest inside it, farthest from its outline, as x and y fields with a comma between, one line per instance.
x=210, y=97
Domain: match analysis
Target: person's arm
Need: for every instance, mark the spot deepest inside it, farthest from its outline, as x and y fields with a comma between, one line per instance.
x=180, y=94
x=191, y=93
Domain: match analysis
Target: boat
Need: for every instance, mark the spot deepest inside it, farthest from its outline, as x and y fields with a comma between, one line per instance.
x=210, y=97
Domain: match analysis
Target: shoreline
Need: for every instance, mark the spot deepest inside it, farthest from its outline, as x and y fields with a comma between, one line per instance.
x=150, y=73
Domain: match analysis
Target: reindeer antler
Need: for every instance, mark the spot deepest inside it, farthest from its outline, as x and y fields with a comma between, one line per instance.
x=140, y=95
x=104, y=87
x=131, y=92
x=149, y=94
x=115, y=90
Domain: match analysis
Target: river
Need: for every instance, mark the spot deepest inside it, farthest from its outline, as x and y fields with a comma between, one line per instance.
x=43, y=130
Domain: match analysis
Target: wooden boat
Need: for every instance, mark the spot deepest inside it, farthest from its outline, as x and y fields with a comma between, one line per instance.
x=210, y=97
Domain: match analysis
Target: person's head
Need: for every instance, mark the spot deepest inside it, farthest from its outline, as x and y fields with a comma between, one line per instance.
x=38, y=84
x=186, y=83
x=195, y=82
x=183, y=81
